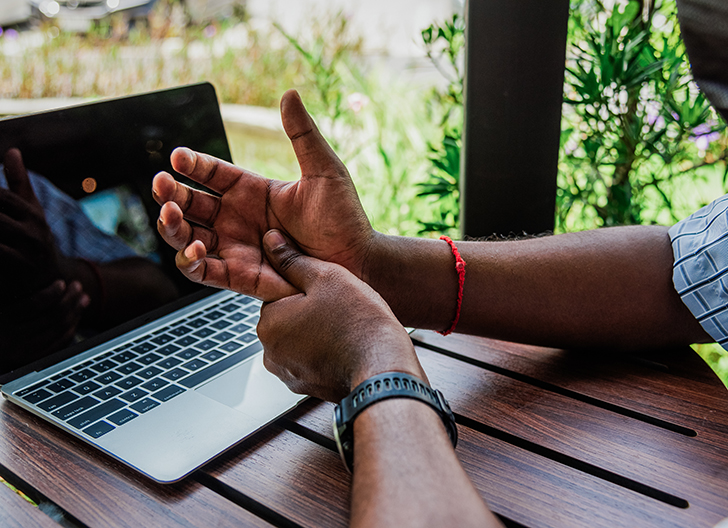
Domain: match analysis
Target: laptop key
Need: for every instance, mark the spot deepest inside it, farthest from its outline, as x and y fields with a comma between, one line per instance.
x=216, y=368
x=168, y=349
x=60, y=385
x=76, y=407
x=247, y=338
x=129, y=368
x=156, y=383
x=180, y=331
x=83, y=375
x=213, y=356
x=57, y=401
x=95, y=414
x=106, y=393
x=175, y=374
x=108, y=377
x=149, y=372
x=232, y=346
x=142, y=406
x=124, y=356
x=204, y=332
x=37, y=396
x=169, y=363
x=143, y=347
x=86, y=387
x=189, y=353
x=221, y=324
x=128, y=383
x=223, y=336
x=195, y=364
x=33, y=388
x=252, y=309
x=122, y=417
x=162, y=339
x=134, y=395
x=197, y=323
x=206, y=345
x=104, y=366
x=187, y=341
x=214, y=315
x=241, y=328
x=149, y=359
x=238, y=316
x=168, y=393
x=99, y=429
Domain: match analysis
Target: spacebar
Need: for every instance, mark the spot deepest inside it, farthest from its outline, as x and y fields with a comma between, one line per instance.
x=220, y=366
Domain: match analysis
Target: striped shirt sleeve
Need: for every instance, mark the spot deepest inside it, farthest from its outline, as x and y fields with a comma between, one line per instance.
x=700, y=271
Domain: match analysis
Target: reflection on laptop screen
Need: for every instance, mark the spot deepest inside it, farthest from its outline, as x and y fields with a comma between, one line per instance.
x=105, y=154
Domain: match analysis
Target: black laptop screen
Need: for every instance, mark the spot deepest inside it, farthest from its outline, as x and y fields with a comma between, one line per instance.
x=104, y=155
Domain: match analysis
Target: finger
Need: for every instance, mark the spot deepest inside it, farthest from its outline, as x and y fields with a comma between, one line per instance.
x=211, y=172
x=179, y=234
x=197, y=206
x=298, y=269
x=17, y=176
x=315, y=156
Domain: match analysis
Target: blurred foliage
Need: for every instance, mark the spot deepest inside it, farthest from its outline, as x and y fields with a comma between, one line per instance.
x=445, y=47
x=634, y=122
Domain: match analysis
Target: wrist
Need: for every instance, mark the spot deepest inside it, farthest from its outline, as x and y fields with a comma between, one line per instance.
x=393, y=353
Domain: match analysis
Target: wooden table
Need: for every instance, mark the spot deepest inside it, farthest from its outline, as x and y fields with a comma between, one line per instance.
x=550, y=438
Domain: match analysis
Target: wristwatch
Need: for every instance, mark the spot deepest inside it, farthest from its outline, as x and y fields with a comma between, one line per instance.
x=381, y=387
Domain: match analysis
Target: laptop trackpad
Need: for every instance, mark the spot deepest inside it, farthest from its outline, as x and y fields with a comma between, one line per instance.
x=252, y=390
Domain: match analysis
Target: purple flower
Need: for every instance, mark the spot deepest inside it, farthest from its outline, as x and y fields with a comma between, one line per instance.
x=210, y=31
x=704, y=134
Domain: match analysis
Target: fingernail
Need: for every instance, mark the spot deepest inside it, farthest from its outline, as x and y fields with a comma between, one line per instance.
x=190, y=253
x=274, y=239
x=84, y=301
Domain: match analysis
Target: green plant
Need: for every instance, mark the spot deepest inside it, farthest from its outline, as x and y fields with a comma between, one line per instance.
x=444, y=46
x=634, y=122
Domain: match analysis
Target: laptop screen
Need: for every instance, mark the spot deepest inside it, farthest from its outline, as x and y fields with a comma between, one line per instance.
x=104, y=155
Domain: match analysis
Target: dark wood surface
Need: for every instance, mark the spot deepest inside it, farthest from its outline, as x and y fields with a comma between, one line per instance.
x=550, y=438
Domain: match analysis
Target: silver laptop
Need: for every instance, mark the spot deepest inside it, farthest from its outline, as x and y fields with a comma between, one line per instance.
x=171, y=389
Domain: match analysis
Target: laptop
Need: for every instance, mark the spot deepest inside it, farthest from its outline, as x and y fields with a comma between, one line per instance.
x=170, y=389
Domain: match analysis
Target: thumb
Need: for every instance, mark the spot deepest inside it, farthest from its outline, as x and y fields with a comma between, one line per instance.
x=297, y=268
x=17, y=176
x=315, y=156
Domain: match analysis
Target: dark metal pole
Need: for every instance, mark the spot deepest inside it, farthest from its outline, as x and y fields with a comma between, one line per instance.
x=515, y=53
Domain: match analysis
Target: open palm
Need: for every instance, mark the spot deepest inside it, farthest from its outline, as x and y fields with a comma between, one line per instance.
x=218, y=236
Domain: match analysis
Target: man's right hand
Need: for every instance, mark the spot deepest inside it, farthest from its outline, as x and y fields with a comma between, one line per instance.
x=218, y=238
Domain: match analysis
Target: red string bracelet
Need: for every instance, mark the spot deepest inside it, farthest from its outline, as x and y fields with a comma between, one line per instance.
x=460, y=269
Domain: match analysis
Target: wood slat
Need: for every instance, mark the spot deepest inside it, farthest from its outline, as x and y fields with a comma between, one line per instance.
x=16, y=512
x=291, y=475
x=681, y=390
x=99, y=491
x=534, y=490
x=669, y=462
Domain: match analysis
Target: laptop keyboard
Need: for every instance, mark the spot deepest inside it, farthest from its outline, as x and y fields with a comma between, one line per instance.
x=117, y=386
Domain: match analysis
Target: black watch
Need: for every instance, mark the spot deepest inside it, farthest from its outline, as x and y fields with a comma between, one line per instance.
x=382, y=387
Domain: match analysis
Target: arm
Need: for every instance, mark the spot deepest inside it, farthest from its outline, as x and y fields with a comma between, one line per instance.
x=609, y=287
x=406, y=471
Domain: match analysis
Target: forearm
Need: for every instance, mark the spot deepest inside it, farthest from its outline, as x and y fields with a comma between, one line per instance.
x=406, y=472
x=608, y=287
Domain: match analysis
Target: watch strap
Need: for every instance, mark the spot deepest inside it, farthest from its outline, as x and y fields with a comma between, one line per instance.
x=382, y=387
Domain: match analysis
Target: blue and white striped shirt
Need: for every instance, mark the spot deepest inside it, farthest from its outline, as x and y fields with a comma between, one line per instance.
x=700, y=271
x=75, y=235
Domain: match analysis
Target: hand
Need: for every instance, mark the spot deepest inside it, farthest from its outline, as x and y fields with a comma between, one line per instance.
x=219, y=238
x=28, y=254
x=40, y=324
x=333, y=335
